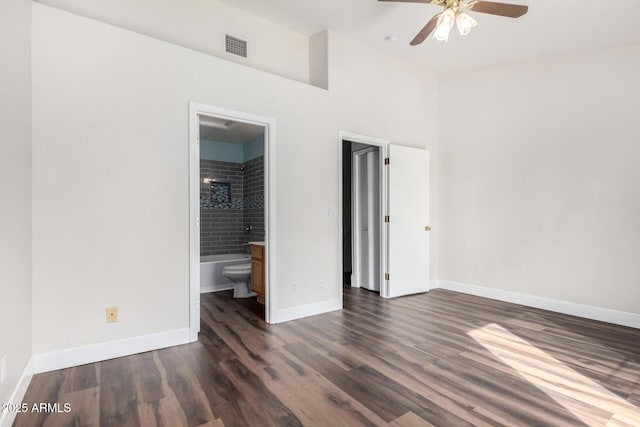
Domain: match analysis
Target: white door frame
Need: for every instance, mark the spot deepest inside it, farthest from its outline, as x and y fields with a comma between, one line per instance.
x=383, y=145
x=195, y=110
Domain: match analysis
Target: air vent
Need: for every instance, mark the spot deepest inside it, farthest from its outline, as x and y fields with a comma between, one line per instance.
x=235, y=46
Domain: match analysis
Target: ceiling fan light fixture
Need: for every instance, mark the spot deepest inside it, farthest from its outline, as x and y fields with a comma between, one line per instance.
x=445, y=24
x=440, y=25
x=465, y=23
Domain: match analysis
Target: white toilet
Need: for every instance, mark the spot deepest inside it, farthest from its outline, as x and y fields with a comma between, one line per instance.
x=240, y=275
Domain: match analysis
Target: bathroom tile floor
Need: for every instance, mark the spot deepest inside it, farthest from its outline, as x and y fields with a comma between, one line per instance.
x=436, y=359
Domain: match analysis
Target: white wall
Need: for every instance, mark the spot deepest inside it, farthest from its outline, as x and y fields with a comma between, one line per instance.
x=111, y=169
x=385, y=98
x=201, y=25
x=539, y=176
x=319, y=59
x=15, y=191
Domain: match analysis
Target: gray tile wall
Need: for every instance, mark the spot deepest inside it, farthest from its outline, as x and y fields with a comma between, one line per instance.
x=253, y=190
x=222, y=231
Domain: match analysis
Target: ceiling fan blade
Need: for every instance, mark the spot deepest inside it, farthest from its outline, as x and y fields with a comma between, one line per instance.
x=424, y=33
x=500, y=9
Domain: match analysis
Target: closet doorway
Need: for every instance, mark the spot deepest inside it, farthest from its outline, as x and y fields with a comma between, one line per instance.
x=366, y=222
x=363, y=210
x=384, y=216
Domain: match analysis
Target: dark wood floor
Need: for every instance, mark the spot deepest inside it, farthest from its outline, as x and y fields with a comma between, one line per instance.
x=442, y=359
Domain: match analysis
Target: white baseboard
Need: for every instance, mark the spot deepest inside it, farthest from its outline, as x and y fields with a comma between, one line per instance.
x=585, y=311
x=205, y=289
x=76, y=356
x=7, y=418
x=307, y=310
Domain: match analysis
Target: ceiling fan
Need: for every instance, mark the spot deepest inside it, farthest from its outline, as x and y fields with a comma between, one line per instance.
x=454, y=13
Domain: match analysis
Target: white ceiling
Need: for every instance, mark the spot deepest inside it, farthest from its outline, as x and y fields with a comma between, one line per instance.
x=237, y=133
x=552, y=27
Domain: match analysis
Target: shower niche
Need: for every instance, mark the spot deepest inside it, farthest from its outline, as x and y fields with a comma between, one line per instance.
x=220, y=192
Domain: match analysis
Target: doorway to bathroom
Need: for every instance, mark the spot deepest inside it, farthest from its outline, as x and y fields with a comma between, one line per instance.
x=230, y=185
x=384, y=216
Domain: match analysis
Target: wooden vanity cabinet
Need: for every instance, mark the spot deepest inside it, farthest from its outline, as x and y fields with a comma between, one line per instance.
x=257, y=271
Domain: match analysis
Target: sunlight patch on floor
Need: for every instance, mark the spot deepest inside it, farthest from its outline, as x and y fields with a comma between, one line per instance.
x=587, y=400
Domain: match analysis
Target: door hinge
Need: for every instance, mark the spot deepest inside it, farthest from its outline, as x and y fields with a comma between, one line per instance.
x=198, y=303
x=198, y=139
x=386, y=276
x=386, y=160
x=386, y=218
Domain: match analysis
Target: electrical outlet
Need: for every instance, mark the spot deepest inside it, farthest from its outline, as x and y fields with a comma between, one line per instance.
x=294, y=286
x=322, y=283
x=112, y=314
x=3, y=368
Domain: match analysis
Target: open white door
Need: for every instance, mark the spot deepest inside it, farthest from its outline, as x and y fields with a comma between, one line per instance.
x=408, y=262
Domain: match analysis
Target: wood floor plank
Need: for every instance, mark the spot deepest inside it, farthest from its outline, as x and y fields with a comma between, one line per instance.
x=311, y=397
x=118, y=398
x=165, y=412
x=480, y=420
x=185, y=399
x=44, y=388
x=413, y=382
x=382, y=395
x=217, y=423
x=147, y=414
x=80, y=378
x=250, y=351
x=170, y=413
x=84, y=409
x=217, y=348
x=410, y=420
x=314, y=338
x=244, y=326
x=236, y=413
x=147, y=380
x=436, y=359
x=271, y=411
x=354, y=385
x=215, y=384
